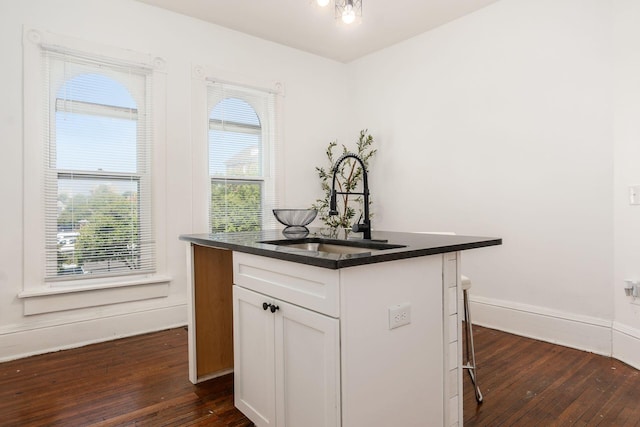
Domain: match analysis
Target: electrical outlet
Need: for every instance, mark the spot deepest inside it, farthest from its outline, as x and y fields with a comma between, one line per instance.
x=399, y=315
x=634, y=195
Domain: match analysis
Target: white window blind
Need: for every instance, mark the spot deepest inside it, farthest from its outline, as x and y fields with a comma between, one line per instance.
x=241, y=140
x=97, y=158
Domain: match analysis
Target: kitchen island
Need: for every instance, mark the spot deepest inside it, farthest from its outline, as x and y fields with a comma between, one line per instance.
x=360, y=334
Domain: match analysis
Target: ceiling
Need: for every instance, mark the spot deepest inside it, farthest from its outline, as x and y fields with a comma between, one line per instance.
x=302, y=25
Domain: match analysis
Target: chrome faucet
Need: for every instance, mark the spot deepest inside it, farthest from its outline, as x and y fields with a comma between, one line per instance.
x=365, y=227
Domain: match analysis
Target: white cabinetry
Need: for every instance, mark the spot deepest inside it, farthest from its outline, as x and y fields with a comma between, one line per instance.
x=287, y=369
x=452, y=344
x=327, y=357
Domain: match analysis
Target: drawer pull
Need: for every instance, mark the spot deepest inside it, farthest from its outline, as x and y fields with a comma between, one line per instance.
x=273, y=307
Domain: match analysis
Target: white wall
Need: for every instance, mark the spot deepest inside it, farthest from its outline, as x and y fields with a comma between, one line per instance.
x=517, y=121
x=314, y=88
x=500, y=124
x=626, y=36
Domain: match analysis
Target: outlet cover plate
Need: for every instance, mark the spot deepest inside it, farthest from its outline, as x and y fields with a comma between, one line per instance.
x=399, y=315
x=634, y=195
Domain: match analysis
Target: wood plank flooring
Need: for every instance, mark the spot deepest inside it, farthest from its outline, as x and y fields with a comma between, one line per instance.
x=140, y=380
x=144, y=381
x=532, y=383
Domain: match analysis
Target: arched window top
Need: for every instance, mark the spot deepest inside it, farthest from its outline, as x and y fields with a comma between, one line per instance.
x=96, y=89
x=236, y=111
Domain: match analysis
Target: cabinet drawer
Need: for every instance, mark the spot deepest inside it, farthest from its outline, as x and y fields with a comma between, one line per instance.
x=311, y=287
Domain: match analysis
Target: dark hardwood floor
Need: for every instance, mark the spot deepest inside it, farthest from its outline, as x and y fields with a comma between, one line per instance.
x=140, y=380
x=532, y=383
x=143, y=381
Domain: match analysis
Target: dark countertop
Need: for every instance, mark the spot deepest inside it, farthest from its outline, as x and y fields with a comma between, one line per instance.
x=414, y=245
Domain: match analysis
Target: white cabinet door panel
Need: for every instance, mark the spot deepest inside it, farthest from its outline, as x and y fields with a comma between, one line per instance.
x=307, y=368
x=287, y=369
x=254, y=371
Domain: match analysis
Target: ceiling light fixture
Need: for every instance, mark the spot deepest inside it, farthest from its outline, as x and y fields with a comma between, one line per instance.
x=348, y=10
x=323, y=3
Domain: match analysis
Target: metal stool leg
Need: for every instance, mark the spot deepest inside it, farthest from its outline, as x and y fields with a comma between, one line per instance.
x=470, y=363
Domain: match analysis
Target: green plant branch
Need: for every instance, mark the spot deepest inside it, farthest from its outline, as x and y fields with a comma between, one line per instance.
x=348, y=177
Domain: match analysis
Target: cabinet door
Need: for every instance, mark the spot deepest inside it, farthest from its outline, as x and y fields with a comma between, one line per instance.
x=307, y=368
x=254, y=366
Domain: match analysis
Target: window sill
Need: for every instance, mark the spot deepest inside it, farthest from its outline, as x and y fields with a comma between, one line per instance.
x=48, y=299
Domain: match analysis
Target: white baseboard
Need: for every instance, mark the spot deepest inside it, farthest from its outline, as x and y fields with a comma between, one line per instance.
x=18, y=344
x=626, y=344
x=581, y=332
x=567, y=329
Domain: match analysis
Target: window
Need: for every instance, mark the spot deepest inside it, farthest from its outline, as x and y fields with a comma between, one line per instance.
x=94, y=217
x=97, y=167
x=241, y=141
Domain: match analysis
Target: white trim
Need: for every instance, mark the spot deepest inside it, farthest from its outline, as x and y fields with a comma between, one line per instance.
x=627, y=330
x=24, y=343
x=569, y=329
x=200, y=180
x=66, y=44
x=210, y=73
x=626, y=344
x=40, y=297
x=191, y=317
x=543, y=311
x=127, y=281
x=48, y=300
x=272, y=179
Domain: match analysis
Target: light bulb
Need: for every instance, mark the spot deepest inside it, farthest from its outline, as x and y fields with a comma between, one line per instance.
x=348, y=16
x=322, y=3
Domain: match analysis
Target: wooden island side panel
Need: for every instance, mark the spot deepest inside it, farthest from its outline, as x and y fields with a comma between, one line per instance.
x=213, y=282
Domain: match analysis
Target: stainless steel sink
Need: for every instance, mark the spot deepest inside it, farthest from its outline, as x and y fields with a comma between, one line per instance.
x=334, y=246
x=328, y=247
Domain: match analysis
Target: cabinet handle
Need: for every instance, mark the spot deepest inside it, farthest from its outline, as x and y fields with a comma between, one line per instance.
x=273, y=307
